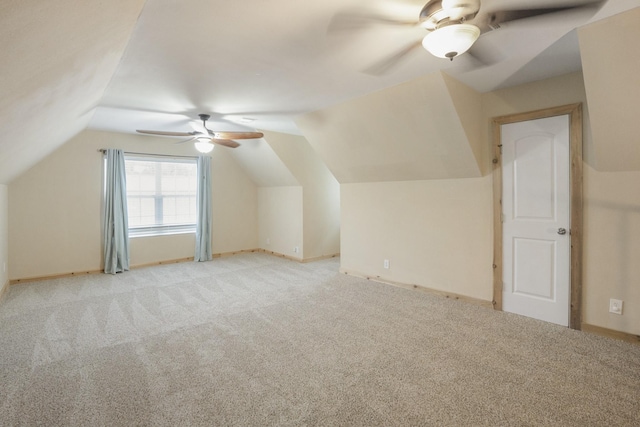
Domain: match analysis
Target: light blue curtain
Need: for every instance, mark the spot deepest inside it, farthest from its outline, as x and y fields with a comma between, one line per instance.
x=116, y=223
x=203, y=206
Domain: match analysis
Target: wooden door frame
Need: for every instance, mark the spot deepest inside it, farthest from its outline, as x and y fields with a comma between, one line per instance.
x=574, y=111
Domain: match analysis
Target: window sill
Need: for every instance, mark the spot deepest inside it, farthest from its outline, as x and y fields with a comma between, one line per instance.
x=153, y=232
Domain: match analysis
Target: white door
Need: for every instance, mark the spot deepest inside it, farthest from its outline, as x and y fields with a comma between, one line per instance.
x=535, y=221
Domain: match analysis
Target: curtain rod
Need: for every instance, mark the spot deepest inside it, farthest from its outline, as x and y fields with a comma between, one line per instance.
x=104, y=150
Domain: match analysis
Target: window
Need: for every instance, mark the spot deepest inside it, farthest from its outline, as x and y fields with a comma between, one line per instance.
x=161, y=195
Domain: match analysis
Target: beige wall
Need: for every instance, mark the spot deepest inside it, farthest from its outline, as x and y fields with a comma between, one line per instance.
x=611, y=61
x=563, y=90
x=54, y=213
x=280, y=220
x=612, y=248
x=321, y=219
x=320, y=194
x=235, y=205
x=4, y=237
x=438, y=233
x=55, y=209
x=435, y=233
x=611, y=206
x=409, y=132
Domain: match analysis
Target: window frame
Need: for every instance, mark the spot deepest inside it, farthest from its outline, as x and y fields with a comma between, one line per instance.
x=161, y=230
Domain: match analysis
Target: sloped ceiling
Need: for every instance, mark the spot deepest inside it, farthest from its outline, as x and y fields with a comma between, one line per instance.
x=299, y=157
x=274, y=60
x=611, y=69
x=262, y=164
x=412, y=131
x=57, y=59
x=64, y=68
x=289, y=148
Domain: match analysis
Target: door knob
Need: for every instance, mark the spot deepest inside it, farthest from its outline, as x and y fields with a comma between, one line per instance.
x=562, y=231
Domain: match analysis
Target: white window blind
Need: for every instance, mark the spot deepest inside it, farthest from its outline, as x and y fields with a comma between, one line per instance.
x=161, y=195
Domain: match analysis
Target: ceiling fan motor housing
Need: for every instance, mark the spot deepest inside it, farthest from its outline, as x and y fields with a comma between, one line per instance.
x=440, y=13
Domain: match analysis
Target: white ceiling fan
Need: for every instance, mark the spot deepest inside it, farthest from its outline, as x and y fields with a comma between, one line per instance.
x=454, y=25
x=205, y=138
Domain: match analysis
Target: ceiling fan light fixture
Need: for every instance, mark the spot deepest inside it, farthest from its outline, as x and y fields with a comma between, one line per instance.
x=451, y=40
x=203, y=145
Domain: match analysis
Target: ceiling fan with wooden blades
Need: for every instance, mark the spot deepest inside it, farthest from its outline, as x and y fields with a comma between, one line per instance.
x=205, y=138
x=453, y=26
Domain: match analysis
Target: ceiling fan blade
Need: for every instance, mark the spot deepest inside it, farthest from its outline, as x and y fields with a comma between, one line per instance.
x=493, y=20
x=235, y=135
x=353, y=21
x=163, y=133
x=220, y=138
x=226, y=142
x=198, y=127
x=386, y=64
x=186, y=140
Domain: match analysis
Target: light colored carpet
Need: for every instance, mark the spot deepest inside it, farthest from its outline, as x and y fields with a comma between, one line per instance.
x=255, y=340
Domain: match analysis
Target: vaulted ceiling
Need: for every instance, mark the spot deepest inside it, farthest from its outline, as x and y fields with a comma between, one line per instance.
x=57, y=59
x=129, y=64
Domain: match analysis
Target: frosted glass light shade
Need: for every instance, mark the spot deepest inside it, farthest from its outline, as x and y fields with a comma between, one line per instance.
x=451, y=41
x=204, y=146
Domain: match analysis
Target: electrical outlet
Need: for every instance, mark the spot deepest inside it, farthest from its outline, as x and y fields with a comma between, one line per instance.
x=615, y=306
x=295, y=249
x=386, y=263
x=268, y=241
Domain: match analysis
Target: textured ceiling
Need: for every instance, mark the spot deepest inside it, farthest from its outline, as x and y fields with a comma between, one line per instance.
x=129, y=64
x=57, y=59
x=273, y=60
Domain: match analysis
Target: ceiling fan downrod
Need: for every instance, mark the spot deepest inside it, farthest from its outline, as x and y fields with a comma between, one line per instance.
x=204, y=118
